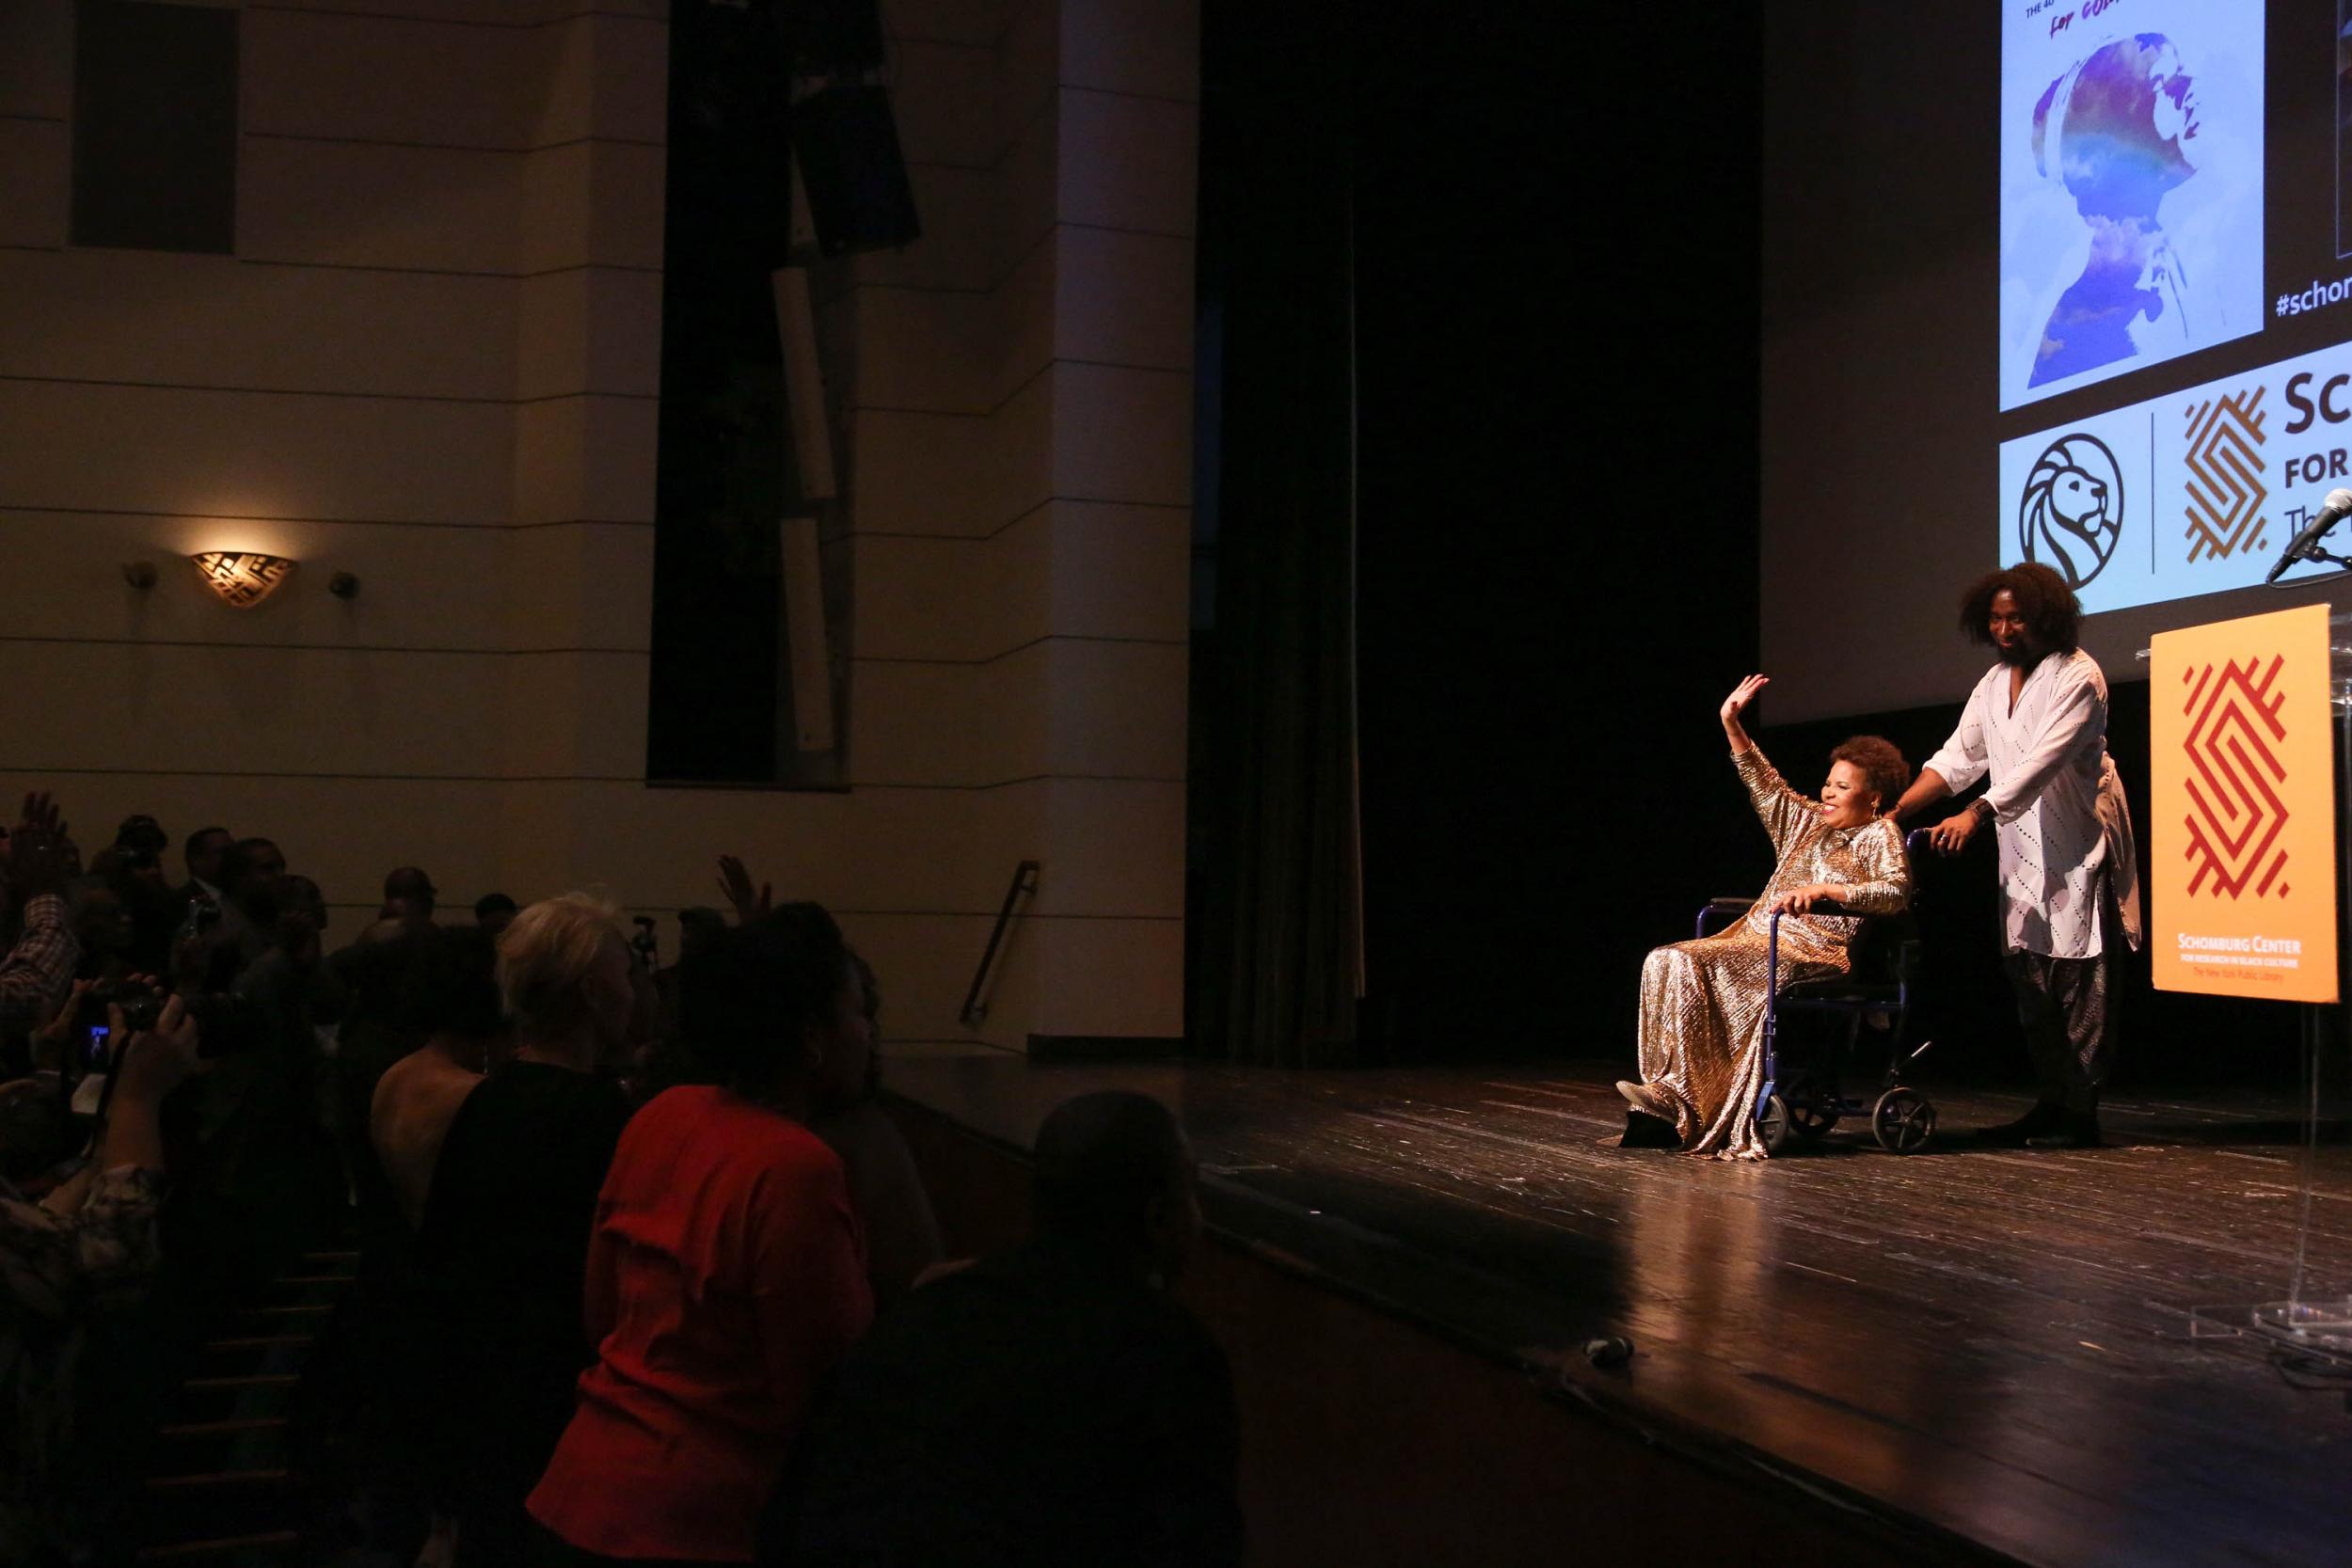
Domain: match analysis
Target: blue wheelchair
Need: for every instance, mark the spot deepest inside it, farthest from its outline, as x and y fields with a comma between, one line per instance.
x=1804, y=1097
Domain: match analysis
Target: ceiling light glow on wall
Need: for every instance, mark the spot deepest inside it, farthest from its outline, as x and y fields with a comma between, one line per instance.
x=243, y=578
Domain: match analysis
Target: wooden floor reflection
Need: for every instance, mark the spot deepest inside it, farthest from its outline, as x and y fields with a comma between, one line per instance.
x=1994, y=1344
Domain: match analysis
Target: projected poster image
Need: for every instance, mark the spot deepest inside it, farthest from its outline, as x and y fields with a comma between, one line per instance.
x=2131, y=186
x=2191, y=493
x=2343, y=128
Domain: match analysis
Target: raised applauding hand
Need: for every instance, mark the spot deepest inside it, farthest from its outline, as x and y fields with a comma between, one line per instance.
x=735, y=881
x=1741, y=696
x=40, y=857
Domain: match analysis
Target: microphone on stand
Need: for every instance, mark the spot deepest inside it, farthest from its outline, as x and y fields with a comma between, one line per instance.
x=2305, y=546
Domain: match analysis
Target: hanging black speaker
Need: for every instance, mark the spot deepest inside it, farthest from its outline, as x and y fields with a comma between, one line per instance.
x=845, y=148
x=832, y=38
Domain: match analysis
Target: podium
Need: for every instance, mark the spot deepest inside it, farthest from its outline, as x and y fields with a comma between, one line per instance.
x=2309, y=1319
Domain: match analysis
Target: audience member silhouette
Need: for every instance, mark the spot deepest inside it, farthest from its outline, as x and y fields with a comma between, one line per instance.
x=512, y=1201
x=1047, y=1407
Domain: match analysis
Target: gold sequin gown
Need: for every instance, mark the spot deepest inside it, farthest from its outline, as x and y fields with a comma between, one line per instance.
x=1703, y=1001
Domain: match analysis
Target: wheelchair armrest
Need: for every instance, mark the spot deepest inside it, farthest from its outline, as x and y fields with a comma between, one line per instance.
x=1728, y=906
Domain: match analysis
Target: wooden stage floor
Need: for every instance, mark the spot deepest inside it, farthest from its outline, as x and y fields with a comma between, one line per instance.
x=1985, y=1346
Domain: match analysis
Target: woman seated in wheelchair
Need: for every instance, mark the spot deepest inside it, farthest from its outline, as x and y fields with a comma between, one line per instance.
x=1703, y=1001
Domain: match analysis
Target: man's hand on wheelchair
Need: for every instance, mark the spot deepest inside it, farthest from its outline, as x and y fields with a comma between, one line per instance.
x=1951, y=836
x=1802, y=901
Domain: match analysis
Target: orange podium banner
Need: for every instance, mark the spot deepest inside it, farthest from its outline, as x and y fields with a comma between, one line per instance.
x=2243, y=809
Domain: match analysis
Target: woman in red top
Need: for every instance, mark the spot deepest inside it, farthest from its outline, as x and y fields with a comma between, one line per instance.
x=727, y=1272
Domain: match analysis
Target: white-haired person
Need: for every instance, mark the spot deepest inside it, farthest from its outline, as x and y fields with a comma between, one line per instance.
x=510, y=1208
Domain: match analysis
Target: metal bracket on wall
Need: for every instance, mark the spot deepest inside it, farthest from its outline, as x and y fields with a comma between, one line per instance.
x=1024, y=884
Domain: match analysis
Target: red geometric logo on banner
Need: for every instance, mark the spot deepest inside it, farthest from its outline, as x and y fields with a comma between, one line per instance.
x=2233, y=733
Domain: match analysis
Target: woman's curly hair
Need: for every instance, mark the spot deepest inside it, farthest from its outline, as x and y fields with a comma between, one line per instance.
x=1881, y=763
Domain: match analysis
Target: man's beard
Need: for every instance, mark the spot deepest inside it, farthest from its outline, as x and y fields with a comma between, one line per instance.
x=2015, y=655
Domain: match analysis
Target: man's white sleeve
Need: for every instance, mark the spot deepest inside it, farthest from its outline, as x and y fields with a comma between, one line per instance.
x=1960, y=762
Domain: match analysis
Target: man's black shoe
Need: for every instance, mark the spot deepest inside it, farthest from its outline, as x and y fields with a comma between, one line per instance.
x=2080, y=1130
x=2047, y=1117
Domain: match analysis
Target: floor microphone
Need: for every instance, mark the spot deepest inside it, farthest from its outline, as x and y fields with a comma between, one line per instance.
x=2332, y=512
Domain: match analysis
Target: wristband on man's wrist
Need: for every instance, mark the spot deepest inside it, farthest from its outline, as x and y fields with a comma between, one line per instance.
x=1984, y=808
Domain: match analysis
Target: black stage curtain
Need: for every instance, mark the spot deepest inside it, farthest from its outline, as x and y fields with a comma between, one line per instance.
x=1274, y=907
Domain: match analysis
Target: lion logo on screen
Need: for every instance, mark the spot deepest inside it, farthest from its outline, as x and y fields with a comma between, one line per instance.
x=2072, y=513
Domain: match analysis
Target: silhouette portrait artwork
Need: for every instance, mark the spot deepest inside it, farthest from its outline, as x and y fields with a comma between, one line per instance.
x=2118, y=129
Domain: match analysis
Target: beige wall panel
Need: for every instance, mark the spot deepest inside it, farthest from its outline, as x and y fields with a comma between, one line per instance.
x=379, y=79
x=551, y=332
x=363, y=206
x=1120, y=571
x=571, y=715
x=969, y=725
x=1028, y=181
x=953, y=474
x=944, y=100
x=1118, y=709
x=591, y=203
x=585, y=457
x=1122, y=434
x=1129, y=163
x=1113, y=848
x=342, y=834
x=37, y=59
x=949, y=353
x=197, y=709
x=947, y=20
x=1123, y=299
x=928, y=352
x=589, y=586
x=437, y=588
x=924, y=964
x=963, y=244
x=625, y=183
x=1023, y=307
x=517, y=14
x=918, y=850
x=1112, y=978
x=420, y=587
x=631, y=67
x=35, y=181
x=234, y=454
x=837, y=319
x=957, y=600
x=918, y=473
x=657, y=849
x=599, y=75
x=559, y=102
x=212, y=320
x=592, y=329
x=1136, y=46
x=1028, y=64
x=547, y=12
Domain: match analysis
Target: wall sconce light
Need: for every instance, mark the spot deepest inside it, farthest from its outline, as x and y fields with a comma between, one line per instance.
x=243, y=578
x=139, y=574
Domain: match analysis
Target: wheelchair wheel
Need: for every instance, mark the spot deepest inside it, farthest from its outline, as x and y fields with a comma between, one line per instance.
x=1902, y=1121
x=1775, y=1125
x=1809, y=1119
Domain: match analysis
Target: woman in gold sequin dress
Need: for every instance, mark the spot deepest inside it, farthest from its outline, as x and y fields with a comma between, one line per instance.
x=1703, y=1001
